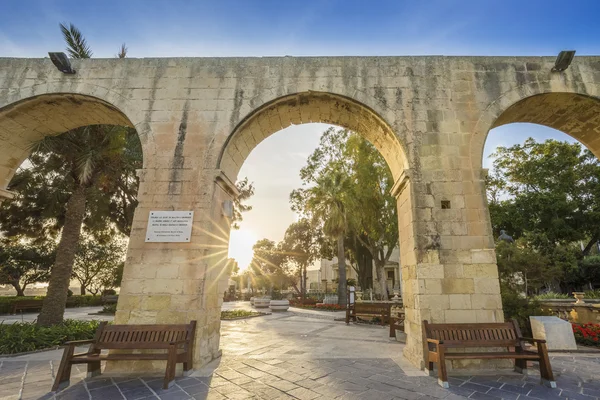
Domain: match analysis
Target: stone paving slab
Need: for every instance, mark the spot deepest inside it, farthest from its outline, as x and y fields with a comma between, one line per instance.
x=264, y=359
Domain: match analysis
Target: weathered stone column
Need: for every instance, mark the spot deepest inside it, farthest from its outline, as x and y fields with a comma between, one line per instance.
x=177, y=282
x=451, y=276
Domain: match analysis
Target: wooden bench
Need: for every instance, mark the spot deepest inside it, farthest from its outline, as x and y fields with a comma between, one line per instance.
x=26, y=305
x=177, y=340
x=439, y=338
x=381, y=310
x=397, y=323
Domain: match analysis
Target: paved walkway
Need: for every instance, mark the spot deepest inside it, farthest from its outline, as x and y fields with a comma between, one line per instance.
x=297, y=355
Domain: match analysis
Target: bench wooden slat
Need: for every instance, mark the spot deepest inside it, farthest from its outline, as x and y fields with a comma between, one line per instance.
x=457, y=356
x=178, y=340
x=505, y=335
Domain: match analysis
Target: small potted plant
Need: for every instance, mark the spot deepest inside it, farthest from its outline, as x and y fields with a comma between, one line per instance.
x=278, y=303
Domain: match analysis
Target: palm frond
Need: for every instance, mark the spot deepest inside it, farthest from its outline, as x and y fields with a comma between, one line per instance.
x=122, y=51
x=77, y=46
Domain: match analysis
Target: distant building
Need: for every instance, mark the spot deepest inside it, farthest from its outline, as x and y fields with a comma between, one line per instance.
x=327, y=271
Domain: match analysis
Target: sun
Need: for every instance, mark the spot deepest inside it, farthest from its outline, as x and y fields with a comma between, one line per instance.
x=240, y=247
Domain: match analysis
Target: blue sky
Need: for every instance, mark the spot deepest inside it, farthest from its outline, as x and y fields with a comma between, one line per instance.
x=309, y=27
x=303, y=28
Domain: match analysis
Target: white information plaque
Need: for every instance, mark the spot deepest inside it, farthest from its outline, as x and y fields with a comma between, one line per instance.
x=169, y=226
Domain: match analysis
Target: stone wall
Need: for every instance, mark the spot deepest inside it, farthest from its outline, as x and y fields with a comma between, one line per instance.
x=199, y=118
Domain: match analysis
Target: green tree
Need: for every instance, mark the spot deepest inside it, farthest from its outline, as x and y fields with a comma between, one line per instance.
x=23, y=262
x=268, y=268
x=245, y=191
x=301, y=247
x=547, y=195
x=550, y=190
x=326, y=201
x=370, y=209
x=84, y=178
x=97, y=264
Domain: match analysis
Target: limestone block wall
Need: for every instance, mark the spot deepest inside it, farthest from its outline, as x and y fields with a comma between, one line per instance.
x=199, y=118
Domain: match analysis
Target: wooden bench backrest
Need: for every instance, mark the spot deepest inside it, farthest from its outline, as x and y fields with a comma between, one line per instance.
x=498, y=334
x=142, y=336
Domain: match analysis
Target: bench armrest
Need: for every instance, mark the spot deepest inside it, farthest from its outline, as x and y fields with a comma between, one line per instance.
x=179, y=342
x=532, y=340
x=78, y=342
x=435, y=341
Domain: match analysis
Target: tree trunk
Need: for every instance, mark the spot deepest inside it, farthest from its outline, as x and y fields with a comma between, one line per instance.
x=82, y=290
x=380, y=271
x=20, y=290
x=304, y=282
x=341, y=271
x=53, y=308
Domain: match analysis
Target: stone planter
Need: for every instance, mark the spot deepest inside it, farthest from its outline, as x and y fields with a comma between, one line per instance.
x=279, y=305
x=400, y=336
x=262, y=302
x=579, y=296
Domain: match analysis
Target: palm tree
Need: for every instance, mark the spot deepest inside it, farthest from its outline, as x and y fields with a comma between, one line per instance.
x=95, y=160
x=326, y=202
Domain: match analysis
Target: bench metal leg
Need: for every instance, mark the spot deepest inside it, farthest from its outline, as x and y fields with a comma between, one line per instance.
x=171, y=363
x=521, y=366
x=442, y=373
x=63, y=375
x=188, y=364
x=93, y=369
x=545, y=367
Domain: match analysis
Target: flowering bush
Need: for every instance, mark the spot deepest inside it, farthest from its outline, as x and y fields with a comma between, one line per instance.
x=299, y=302
x=587, y=334
x=319, y=306
x=329, y=307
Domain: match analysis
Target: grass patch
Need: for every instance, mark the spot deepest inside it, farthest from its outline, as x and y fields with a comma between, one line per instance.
x=22, y=337
x=236, y=314
x=592, y=294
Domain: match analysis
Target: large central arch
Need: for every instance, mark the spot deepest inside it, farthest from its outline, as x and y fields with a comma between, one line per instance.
x=307, y=107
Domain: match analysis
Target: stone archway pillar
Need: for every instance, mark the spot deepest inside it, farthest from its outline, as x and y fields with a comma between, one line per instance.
x=174, y=283
x=448, y=262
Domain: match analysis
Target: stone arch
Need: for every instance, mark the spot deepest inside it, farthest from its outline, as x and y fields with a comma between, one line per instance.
x=28, y=119
x=306, y=107
x=572, y=108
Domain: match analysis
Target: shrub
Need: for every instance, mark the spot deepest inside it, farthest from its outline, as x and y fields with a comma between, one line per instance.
x=519, y=308
x=6, y=302
x=592, y=294
x=69, y=293
x=109, y=309
x=109, y=292
x=233, y=314
x=307, y=302
x=329, y=307
x=28, y=336
x=552, y=295
x=587, y=334
x=84, y=301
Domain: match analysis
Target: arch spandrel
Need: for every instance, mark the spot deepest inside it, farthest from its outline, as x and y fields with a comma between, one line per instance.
x=27, y=120
x=307, y=107
x=568, y=108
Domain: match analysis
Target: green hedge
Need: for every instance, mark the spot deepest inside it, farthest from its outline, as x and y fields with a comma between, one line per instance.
x=21, y=337
x=6, y=302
